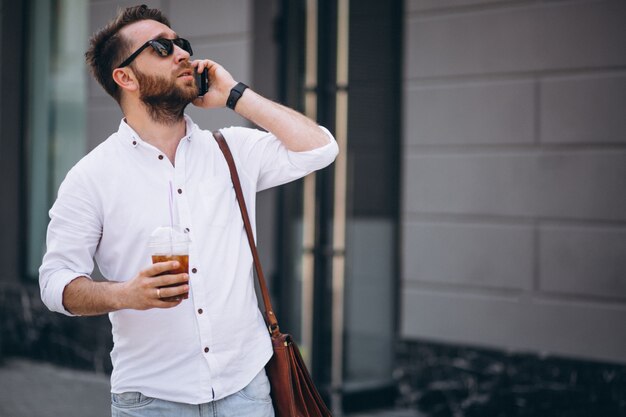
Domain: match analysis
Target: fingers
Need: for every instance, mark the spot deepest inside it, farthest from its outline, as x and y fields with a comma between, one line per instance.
x=169, y=279
x=170, y=288
x=172, y=294
x=201, y=64
x=159, y=268
x=219, y=77
x=169, y=304
x=156, y=287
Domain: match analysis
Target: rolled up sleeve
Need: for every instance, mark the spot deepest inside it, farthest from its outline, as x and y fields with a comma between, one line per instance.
x=317, y=158
x=264, y=157
x=73, y=234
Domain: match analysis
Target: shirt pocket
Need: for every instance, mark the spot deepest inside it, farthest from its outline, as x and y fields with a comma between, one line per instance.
x=218, y=199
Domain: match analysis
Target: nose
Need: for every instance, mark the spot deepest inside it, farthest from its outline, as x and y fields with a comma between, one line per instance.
x=180, y=54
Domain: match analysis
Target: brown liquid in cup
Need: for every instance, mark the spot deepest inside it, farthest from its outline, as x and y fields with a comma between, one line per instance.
x=183, y=261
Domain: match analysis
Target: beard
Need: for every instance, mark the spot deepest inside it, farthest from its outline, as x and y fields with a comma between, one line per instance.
x=163, y=98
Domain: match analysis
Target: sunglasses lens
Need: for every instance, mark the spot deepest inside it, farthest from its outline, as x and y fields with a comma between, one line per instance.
x=162, y=47
x=165, y=47
x=183, y=44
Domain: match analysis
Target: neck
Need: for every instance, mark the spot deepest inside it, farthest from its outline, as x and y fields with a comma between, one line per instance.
x=165, y=136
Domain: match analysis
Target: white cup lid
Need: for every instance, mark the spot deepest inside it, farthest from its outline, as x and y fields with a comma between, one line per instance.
x=168, y=234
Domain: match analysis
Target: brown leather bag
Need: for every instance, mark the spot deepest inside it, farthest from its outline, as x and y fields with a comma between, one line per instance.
x=293, y=391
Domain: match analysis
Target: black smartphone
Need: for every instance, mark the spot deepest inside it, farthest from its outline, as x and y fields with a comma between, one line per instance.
x=202, y=81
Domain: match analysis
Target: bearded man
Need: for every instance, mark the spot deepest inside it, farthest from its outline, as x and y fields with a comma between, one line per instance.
x=185, y=344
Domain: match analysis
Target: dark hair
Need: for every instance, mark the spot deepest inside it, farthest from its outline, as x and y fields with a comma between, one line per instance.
x=107, y=48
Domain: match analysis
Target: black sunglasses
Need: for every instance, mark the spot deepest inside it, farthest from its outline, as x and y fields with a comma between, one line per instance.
x=163, y=47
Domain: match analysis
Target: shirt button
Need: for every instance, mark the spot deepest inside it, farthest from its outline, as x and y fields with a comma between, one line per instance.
x=206, y=350
x=160, y=156
x=187, y=230
x=134, y=142
x=194, y=270
x=200, y=311
x=180, y=191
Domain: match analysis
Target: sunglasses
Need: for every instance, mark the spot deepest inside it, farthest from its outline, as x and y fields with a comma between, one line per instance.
x=163, y=47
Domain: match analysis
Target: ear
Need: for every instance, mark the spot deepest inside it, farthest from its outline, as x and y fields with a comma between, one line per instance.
x=125, y=78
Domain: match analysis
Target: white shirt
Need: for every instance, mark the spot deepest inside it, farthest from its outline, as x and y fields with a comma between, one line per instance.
x=214, y=343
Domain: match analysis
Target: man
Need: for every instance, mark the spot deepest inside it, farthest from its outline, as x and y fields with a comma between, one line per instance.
x=204, y=355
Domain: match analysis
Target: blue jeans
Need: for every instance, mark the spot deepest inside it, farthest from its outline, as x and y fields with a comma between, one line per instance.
x=252, y=401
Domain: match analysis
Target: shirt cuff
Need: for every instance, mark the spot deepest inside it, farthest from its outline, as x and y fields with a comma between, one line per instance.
x=317, y=158
x=52, y=294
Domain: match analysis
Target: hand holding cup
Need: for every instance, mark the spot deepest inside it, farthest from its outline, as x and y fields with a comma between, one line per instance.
x=169, y=244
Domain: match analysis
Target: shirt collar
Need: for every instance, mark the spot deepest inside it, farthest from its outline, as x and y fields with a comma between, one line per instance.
x=131, y=137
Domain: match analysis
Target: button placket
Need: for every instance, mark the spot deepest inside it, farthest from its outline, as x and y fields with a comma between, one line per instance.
x=179, y=185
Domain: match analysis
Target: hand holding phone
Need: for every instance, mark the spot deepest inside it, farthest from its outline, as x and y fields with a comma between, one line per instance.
x=218, y=84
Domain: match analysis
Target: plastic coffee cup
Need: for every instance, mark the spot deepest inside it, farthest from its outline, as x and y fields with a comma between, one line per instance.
x=171, y=244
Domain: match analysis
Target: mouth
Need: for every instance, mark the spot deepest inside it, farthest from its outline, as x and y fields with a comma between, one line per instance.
x=186, y=73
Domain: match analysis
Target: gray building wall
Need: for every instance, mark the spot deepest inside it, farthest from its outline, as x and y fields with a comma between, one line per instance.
x=514, y=175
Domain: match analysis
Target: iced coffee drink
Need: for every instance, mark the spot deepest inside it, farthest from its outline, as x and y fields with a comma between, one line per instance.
x=171, y=244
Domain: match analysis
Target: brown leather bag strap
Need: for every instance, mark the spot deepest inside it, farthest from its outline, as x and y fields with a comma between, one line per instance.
x=270, y=317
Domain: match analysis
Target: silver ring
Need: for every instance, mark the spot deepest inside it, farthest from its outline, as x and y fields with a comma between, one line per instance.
x=158, y=293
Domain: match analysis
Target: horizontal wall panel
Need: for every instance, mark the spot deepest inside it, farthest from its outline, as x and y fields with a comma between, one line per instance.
x=551, y=36
x=584, y=330
x=483, y=255
x=564, y=184
x=201, y=18
x=583, y=260
x=471, y=113
x=423, y=5
x=584, y=109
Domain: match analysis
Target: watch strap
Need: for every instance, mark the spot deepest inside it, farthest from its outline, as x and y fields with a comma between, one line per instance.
x=235, y=94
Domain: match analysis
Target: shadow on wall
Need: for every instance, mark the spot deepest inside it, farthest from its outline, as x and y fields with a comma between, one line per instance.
x=30, y=330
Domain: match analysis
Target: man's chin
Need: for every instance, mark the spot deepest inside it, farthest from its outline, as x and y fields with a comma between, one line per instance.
x=190, y=92
x=188, y=83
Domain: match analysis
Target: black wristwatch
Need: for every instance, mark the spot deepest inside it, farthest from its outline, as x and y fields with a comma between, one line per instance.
x=235, y=94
